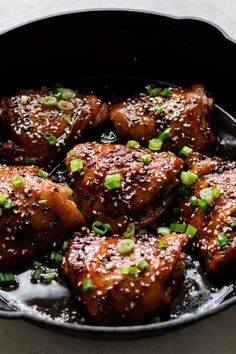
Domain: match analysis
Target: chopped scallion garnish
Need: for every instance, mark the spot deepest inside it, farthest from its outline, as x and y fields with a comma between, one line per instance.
x=191, y=231
x=49, y=101
x=36, y=275
x=142, y=231
x=112, y=181
x=163, y=244
x=194, y=201
x=185, y=151
x=165, y=135
x=153, y=91
x=50, y=138
x=222, y=239
x=207, y=195
x=143, y=265
x=162, y=230
x=7, y=278
x=65, y=105
x=30, y=160
x=130, y=232
x=42, y=202
x=56, y=257
x=203, y=204
x=76, y=165
x=87, y=284
x=24, y=100
x=155, y=144
x=166, y=92
x=68, y=119
x=146, y=158
x=42, y=173
x=125, y=246
x=17, y=181
x=188, y=178
x=100, y=228
x=129, y=270
x=177, y=227
x=132, y=144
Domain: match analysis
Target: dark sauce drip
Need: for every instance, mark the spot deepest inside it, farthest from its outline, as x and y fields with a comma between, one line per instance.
x=54, y=300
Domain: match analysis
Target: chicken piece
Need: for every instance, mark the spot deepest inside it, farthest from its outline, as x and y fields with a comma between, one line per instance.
x=116, y=288
x=35, y=213
x=186, y=111
x=215, y=241
x=38, y=127
x=142, y=187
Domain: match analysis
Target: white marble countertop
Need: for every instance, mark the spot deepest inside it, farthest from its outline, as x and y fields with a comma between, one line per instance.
x=213, y=335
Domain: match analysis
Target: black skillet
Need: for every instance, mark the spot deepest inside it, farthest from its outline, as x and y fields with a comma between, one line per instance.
x=118, y=51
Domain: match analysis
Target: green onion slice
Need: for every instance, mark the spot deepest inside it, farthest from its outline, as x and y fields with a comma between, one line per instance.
x=191, y=231
x=2, y=199
x=24, y=100
x=76, y=165
x=87, y=284
x=146, y=158
x=56, y=257
x=188, y=178
x=185, y=151
x=177, y=227
x=50, y=138
x=207, y=195
x=130, y=232
x=222, y=239
x=163, y=244
x=203, y=204
x=49, y=101
x=30, y=160
x=143, y=265
x=113, y=181
x=155, y=144
x=125, y=246
x=194, y=201
x=142, y=231
x=99, y=228
x=153, y=91
x=68, y=119
x=132, y=144
x=65, y=105
x=17, y=181
x=43, y=174
x=162, y=230
x=166, y=92
x=36, y=275
x=165, y=135
x=7, y=278
x=129, y=270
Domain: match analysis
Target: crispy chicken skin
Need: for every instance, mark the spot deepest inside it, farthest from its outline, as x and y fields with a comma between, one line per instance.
x=28, y=124
x=145, y=191
x=41, y=214
x=121, y=299
x=217, y=219
x=186, y=111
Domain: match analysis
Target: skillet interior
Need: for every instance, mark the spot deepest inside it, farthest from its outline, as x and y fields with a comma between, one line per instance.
x=120, y=50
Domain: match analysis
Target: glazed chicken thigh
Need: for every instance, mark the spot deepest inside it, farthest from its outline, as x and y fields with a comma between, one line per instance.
x=212, y=211
x=187, y=112
x=35, y=213
x=39, y=124
x=124, y=281
x=119, y=185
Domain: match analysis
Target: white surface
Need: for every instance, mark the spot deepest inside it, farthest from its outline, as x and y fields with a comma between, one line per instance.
x=214, y=335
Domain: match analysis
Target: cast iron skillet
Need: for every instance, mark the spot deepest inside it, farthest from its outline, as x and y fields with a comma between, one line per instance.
x=122, y=48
